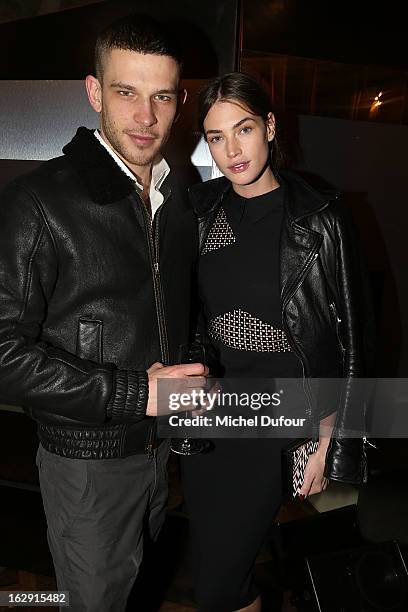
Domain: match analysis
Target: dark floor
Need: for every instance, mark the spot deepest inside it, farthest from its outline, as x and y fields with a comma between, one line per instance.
x=172, y=590
x=165, y=582
x=25, y=562
x=167, y=567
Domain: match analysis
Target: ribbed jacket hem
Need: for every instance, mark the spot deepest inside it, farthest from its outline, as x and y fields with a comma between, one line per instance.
x=129, y=400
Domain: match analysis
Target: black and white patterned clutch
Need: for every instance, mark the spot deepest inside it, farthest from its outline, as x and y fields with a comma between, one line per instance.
x=294, y=460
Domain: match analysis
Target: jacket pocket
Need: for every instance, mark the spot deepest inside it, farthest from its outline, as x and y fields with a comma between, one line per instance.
x=89, y=339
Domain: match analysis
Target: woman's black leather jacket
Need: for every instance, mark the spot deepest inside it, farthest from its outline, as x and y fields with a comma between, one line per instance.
x=325, y=310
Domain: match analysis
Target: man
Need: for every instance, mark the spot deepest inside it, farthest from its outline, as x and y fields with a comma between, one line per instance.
x=97, y=255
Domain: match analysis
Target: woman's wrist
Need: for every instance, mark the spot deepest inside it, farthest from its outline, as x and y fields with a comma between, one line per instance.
x=323, y=446
x=325, y=431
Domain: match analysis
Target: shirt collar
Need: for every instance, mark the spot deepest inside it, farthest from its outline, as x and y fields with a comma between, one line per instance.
x=160, y=169
x=241, y=209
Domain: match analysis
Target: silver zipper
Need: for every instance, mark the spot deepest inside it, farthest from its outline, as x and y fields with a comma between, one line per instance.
x=338, y=322
x=153, y=235
x=307, y=391
x=306, y=386
x=301, y=278
x=366, y=442
x=153, y=243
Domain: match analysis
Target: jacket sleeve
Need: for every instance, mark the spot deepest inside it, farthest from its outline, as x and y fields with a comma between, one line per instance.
x=33, y=373
x=345, y=460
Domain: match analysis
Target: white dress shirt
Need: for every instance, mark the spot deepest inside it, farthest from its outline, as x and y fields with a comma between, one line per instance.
x=160, y=170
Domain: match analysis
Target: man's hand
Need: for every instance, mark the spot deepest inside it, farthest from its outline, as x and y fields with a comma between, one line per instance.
x=187, y=377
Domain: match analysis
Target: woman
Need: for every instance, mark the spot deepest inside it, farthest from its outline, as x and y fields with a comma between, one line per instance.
x=280, y=288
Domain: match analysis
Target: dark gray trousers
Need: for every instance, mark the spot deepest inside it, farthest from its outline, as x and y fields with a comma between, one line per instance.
x=96, y=512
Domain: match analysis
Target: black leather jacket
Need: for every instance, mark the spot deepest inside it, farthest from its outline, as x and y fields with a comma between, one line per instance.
x=323, y=304
x=91, y=295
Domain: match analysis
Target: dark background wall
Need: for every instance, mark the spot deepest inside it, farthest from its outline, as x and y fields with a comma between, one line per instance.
x=368, y=163
x=43, y=59
x=60, y=45
x=362, y=32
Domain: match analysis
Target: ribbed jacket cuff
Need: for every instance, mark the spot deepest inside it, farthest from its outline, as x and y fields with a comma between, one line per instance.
x=129, y=400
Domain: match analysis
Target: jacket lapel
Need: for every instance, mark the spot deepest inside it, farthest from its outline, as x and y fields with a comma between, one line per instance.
x=299, y=244
x=298, y=250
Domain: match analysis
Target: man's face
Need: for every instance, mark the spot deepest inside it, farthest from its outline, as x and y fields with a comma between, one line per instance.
x=137, y=99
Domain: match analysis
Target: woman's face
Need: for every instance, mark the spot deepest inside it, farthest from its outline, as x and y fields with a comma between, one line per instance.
x=238, y=141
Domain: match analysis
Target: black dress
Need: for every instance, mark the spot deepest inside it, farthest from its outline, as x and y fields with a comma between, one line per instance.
x=233, y=492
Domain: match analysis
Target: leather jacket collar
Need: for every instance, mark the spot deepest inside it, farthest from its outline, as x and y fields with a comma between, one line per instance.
x=301, y=199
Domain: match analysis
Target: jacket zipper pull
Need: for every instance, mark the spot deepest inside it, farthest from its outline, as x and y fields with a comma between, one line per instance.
x=149, y=446
x=156, y=267
x=333, y=307
x=366, y=442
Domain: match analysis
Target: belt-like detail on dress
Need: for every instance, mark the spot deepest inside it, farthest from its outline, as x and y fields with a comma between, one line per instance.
x=241, y=330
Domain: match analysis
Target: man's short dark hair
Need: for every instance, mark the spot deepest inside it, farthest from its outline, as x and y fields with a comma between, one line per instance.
x=135, y=32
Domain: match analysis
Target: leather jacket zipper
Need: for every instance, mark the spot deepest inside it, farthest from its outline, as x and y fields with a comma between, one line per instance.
x=153, y=237
x=337, y=322
x=306, y=386
x=161, y=316
x=301, y=278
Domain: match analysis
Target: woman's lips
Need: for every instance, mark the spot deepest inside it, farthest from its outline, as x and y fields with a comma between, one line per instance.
x=237, y=168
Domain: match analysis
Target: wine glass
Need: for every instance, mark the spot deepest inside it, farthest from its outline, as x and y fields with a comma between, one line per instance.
x=191, y=352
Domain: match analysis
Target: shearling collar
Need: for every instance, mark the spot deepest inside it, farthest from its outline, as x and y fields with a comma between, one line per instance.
x=104, y=180
x=300, y=198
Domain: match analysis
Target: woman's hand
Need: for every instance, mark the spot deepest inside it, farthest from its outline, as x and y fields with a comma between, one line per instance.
x=314, y=481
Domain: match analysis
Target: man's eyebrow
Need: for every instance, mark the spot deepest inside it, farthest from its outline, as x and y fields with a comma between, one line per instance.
x=121, y=85
x=233, y=127
x=170, y=90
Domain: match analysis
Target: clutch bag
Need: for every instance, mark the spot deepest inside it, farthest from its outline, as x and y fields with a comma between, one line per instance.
x=294, y=459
